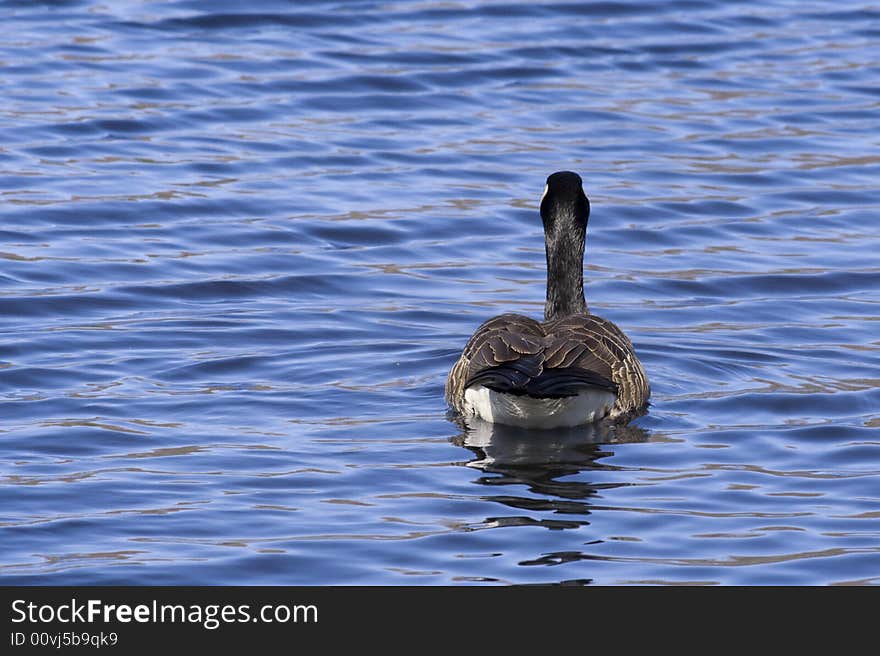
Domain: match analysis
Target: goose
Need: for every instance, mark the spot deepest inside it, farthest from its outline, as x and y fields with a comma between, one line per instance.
x=573, y=368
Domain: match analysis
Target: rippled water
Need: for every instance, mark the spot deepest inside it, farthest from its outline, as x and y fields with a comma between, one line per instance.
x=242, y=244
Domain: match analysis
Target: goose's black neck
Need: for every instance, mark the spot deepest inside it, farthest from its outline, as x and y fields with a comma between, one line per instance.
x=564, y=211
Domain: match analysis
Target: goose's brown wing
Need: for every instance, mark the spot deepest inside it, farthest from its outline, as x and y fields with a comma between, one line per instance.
x=515, y=354
x=511, y=341
x=587, y=341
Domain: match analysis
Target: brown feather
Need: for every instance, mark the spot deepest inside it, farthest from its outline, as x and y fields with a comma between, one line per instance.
x=579, y=342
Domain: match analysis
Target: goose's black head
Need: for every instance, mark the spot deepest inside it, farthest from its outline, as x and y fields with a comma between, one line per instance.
x=564, y=206
x=565, y=210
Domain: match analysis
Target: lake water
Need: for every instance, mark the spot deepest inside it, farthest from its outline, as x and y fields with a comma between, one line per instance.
x=243, y=243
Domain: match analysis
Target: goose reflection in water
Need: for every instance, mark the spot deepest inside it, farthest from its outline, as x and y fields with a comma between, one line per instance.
x=539, y=459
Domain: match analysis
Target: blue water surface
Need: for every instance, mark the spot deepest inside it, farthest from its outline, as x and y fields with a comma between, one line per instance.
x=241, y=244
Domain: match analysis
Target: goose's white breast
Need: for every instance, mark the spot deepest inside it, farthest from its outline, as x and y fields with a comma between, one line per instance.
x=528, y=412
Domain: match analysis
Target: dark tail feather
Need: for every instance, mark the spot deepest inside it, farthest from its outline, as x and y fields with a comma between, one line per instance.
x=519, y=379
x=558, y=383
x=508, y=377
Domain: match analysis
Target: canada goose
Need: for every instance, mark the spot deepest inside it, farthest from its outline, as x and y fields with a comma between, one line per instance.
x=574, y=368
